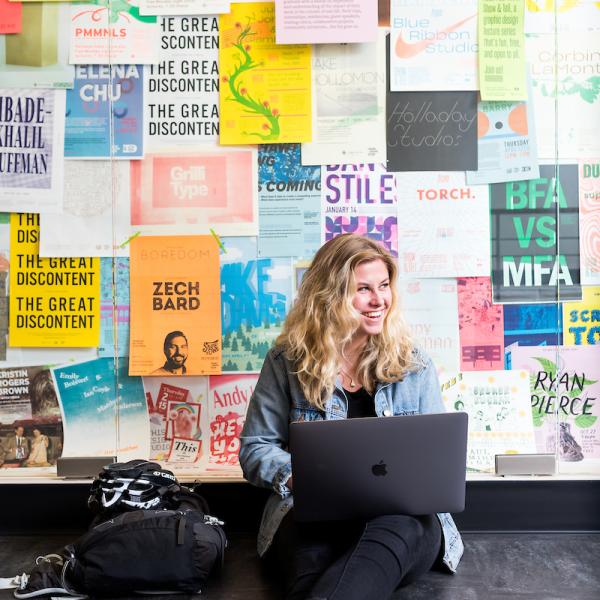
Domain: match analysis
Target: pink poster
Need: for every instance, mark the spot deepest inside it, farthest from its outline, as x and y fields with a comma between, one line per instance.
x=589, y=221
x=228, y=398
x=196, y=191
x=325, y=22
x=480, y=325
x=10, y=17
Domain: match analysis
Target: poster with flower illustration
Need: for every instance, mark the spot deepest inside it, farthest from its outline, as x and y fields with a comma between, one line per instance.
x=265, y=94
x=112, y=32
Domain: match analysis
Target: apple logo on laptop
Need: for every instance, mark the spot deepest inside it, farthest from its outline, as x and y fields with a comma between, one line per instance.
x=380, y=469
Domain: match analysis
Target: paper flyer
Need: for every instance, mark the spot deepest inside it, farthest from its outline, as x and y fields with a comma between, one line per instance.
x=481, y=326
x=256, y=294
x=565, y=387
x=348, y=91
x=106, y=103
x=105, y=32
x=183, y=7
x=289, y=203
x=582, y=319
x=431, y=131
x=175, y=320
x=95, y=217
x=53, y=301
x=228, y=399
x=433, y=45
x=195, y=191
x=506, y=149
x=528, y=265
x=181, y=94
x=301, y=22
x=430, y=309
x=104, y=410
x=589, y=221
x=31, y=429
x=10, y=16
x=573, y=15
x=265, y=88
x=188, y=400
x=359, y=199
x=114, y=307
x=500, y=422
x=502, y=69
x=570, y=94
x=32, y=126
x=443, y=226
x=532, y=325
x=37, y=56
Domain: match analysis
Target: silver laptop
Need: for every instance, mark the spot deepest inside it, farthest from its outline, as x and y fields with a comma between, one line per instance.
x=362, y=468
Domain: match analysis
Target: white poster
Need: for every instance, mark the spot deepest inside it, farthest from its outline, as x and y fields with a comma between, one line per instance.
x=443, y=225
x=96, y=212
x=184, y=7
x=348, y=104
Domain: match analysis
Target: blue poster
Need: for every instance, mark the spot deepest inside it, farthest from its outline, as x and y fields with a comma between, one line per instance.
x=255, y=297
x=114, y=317
x=101, y=100
x=104, y=410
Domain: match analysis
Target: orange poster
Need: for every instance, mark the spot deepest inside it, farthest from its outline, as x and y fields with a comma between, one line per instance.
x=175, y=306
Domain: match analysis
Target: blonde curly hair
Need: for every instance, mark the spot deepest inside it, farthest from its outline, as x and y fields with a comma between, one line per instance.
x=322, y=321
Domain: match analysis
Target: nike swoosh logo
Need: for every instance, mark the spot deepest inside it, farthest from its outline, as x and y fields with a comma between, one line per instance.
x=406, y=50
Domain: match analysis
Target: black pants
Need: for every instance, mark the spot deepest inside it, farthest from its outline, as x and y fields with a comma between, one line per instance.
x=354, y=560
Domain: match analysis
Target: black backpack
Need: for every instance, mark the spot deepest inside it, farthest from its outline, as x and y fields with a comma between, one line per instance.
x=147, y=551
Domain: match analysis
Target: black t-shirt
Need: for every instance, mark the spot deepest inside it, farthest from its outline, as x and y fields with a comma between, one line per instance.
x=360, y=404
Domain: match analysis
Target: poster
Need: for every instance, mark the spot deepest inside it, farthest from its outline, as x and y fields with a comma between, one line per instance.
x=582, y=319
x=181, y=94
x=569, y=94
x=565, y=387
x=500, y=422
x=114, y=307
x=183, y=7
x=112, y=33
x=32, y=127
x=53, y=301
x=589, y=221
x=104, y=411
x=532, y=325
x=443, y=226
x=573, y=15
x=228, y=399
x=433, y=45
x=31, y=433
x=256, y=294
x=105, y=105
x=289, y=203
x=348, y=91
x=301, y=22
x=37, y=56
x=502, y=69
x=527, y=263
x=430, y=309
x=481, y=326
x=175, y=322
x=265, y=88
x=196, y=191
x=431, y=131
x=10, y=16
x=95, y=217
x=187, y=399
x=359, y=199
x=506, y=149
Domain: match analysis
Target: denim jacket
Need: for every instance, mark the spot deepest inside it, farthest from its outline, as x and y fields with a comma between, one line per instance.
x=278, y=400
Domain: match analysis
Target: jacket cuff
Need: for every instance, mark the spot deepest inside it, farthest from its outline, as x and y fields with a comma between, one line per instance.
x=281, y=478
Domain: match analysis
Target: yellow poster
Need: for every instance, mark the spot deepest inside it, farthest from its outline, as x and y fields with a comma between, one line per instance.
x=582, y=319
x=265, y=92
x=54, y=302
x=502, y=68
x=175, y=306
